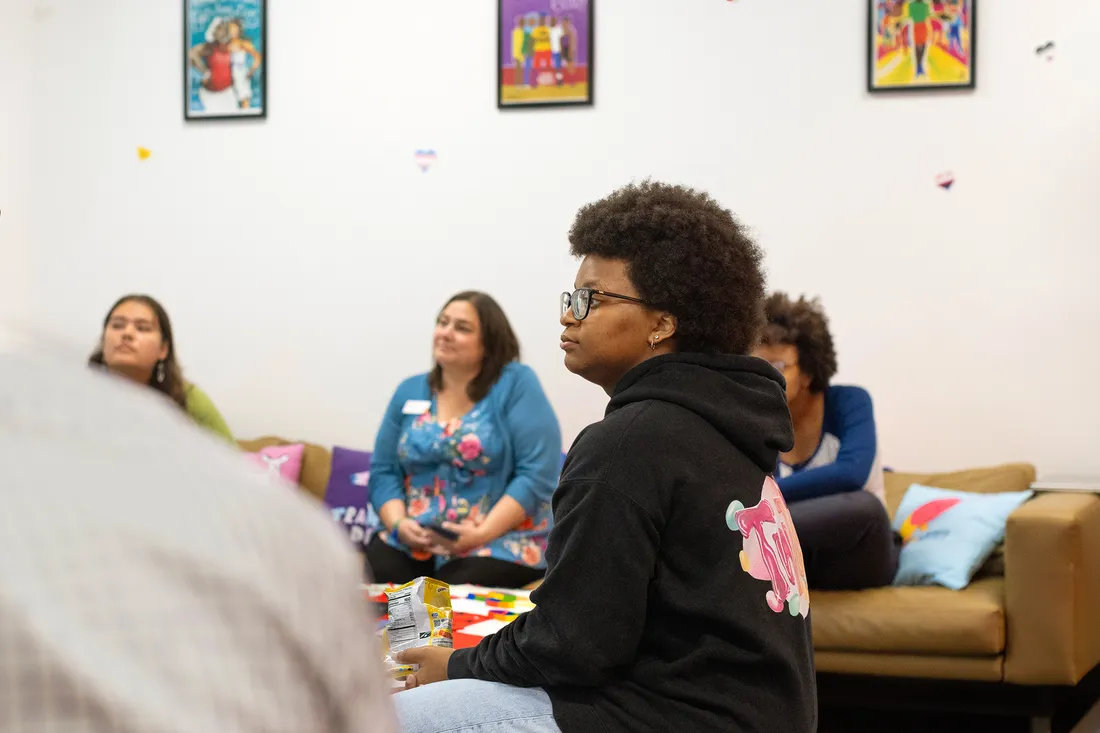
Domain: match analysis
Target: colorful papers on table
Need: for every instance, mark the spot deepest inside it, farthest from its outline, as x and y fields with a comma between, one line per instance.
x=485, y=628
x=464, y=605
x=480, y=601
x=484, y=610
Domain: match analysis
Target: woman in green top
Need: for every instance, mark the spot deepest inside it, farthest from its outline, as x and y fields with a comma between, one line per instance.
x=137, y=344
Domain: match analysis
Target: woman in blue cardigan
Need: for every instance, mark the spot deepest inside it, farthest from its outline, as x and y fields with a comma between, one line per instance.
x=466, y=460
x=832, y=478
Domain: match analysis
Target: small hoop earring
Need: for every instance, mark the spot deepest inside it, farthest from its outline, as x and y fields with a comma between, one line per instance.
x=653, y=345
x=160, y=372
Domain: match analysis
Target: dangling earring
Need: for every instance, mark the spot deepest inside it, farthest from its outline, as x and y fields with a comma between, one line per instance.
x=160, y=372
x=653, y=343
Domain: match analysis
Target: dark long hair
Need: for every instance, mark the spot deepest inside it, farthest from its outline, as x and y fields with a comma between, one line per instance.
x=497, y=339
x=173, y=385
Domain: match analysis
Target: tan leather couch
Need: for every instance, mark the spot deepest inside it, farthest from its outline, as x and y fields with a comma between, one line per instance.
x=1032, y=617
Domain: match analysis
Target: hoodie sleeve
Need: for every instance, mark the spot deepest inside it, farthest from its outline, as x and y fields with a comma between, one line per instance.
x=855, y=428
x=586, y=624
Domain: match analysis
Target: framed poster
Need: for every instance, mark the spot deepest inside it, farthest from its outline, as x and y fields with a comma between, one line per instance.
x=225, y=59
x=545, y=53
x=921, y=45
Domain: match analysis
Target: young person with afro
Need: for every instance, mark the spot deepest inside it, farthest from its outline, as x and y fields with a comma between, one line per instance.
x=675, y=596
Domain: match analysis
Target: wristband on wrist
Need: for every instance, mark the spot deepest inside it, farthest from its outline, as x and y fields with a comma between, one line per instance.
x=398, y=523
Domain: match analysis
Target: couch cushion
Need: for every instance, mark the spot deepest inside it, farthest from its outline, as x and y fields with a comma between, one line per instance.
x=925, y=620
x=283, y=462
x=1008, y=477
x=949, y=534
x=316, y=462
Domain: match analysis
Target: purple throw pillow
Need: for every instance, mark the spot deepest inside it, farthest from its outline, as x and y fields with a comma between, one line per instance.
x=346, y=494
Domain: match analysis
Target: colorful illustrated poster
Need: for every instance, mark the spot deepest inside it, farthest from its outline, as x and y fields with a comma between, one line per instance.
x=225, y=43
x=545, y=52
x=920, y=44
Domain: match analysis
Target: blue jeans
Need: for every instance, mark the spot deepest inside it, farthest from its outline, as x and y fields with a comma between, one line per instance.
x=474, y=706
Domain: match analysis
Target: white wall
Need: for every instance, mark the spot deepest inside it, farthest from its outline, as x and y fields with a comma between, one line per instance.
x=16, y=27
x=303, y=258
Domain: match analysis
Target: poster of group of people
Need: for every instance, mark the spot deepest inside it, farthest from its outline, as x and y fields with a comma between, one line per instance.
x=921, y=44
x=225, y=42
x=545, y=52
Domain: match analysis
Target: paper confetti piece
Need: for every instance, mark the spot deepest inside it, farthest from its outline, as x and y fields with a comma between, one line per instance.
x=1048, y=49
x=424, y=159
x=945, y=180
x=144, y=153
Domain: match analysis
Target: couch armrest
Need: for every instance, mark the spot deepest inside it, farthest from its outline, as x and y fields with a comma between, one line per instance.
x=1052, y=589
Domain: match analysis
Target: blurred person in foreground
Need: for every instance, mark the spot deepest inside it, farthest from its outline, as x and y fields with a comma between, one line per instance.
x=151, y=581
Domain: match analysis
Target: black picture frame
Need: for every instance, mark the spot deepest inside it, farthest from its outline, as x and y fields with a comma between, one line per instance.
x=874, y=87
x=198, y=13
x=507, y=8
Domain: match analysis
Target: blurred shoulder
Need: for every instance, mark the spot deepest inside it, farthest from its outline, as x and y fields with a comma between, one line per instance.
x=414, y=387
x=517, y=378
x=849, y=395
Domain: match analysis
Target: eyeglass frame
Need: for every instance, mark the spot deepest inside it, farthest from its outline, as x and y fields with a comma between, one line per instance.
x=567, y=301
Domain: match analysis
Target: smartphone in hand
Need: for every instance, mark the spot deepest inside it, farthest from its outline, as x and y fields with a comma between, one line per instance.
x=437, y=527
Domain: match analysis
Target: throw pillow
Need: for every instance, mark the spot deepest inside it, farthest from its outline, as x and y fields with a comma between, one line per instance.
x=949, y=534
x=280, y=461
x=346, y=495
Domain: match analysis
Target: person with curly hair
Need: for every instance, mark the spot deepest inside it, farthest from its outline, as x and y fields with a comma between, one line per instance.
x=832, y=477
x=675, y=595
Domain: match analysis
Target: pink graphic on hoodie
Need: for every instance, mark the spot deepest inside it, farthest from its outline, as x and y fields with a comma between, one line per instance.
x=771, y=551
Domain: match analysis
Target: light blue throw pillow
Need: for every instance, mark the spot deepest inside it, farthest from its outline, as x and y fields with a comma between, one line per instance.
x=949, y=534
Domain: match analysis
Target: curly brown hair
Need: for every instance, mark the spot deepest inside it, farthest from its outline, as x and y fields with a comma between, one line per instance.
x=802, y=323
x=685, y=255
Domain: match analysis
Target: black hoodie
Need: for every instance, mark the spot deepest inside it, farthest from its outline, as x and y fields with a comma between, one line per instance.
x=646, y=620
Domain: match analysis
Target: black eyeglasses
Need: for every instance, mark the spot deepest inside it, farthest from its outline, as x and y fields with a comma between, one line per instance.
x=580, y=300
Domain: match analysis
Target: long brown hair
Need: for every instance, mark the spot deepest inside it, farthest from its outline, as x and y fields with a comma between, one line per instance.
x=173, y=385
x=497, y=339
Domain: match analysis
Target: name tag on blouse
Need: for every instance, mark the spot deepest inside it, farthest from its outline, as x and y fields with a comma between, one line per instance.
x=416, y=407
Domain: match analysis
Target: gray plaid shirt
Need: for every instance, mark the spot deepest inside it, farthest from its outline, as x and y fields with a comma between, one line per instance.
x=152, y=581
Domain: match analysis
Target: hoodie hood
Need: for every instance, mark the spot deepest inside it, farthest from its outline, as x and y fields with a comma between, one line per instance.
x=743, y=397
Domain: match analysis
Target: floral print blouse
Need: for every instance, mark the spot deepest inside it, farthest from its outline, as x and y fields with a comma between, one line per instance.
x=509, y=443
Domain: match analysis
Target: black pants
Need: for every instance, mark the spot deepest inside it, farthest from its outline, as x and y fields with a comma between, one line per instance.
x=847, y=541
x=390, y=565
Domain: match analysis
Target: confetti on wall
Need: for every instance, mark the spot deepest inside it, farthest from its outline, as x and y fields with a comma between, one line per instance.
x=1047, y=49
x=945, y=180
x=425, y=159
x=143, y=153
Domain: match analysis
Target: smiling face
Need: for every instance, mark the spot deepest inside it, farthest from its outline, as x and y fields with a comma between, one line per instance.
x=132, y=341
x=615, y=337
x=457, y=342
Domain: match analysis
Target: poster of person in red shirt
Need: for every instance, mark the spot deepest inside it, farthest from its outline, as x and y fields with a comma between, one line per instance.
x=225, y=41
